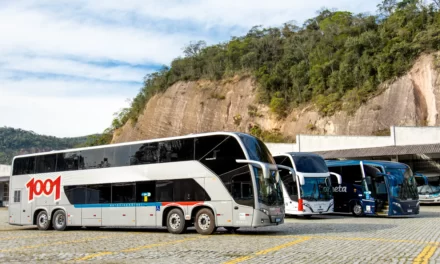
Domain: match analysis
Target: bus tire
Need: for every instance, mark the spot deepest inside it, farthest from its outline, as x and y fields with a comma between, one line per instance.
x=43, y=222
x=176, y=223
x=59, y=220
x=356, y=209
x=205, y=222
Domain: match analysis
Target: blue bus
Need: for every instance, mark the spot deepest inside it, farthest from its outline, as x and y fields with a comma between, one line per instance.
x=374, y=188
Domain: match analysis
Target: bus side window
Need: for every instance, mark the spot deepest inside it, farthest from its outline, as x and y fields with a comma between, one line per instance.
x=123, y=192
x=176, y=150
x=144, y=153
x=45, y=163
x=93, y=158
x=145, y=191
x=24, y=166
x=98, y=193
x=67, y=161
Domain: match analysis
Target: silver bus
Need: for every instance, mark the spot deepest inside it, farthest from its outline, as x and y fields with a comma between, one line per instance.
x=310, y=192
x=205, y=180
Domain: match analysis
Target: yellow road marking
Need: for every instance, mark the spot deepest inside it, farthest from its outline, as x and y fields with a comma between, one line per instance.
x=93, y=256
x=138, y=248
x=56, y=243
x=266, y=251
x=426, y=254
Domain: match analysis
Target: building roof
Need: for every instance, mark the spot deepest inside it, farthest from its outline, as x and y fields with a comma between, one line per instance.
x=380, y=151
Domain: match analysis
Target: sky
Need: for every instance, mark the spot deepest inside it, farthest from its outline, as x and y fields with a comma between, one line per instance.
x=67, y=66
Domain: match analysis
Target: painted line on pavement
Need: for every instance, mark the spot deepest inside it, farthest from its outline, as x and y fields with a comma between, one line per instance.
x=88, y=257
x=269, y=250
x=426, y=254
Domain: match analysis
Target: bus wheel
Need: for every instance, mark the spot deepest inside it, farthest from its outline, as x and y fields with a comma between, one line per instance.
x=357, y=210
x=176, y=223
x=59, y=220
x=231, y=230
x=205, y=222
x=43, y=222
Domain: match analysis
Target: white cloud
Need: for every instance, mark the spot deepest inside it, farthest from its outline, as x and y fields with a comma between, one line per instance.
x=59, y=116
x=73, y=68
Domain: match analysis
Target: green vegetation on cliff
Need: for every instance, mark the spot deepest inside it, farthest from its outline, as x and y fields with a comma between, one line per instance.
x=17, y=141
x=335, y=60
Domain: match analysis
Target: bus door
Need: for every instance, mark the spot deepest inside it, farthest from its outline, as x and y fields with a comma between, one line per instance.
x=242, y=214
x=368, y=203
x=25, y=208
x=15, y=207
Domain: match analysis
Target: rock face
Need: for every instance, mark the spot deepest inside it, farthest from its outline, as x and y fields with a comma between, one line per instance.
x=230, y=105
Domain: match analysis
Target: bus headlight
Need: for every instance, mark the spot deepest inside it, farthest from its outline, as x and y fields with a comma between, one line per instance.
x=265, y=211
x=397, y=204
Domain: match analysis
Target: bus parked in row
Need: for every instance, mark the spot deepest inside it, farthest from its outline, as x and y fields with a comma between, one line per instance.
x=205, y=180
x=375, y=188
x=310, y=191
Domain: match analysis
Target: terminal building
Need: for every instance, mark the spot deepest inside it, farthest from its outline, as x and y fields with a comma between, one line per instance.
x=419, y=147
x=5, y=172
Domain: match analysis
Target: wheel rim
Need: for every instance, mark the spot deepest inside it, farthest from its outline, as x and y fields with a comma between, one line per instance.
x=43, y=220
x=357, y=209
x=174, y=221
x=204, y=221
x=60, y=220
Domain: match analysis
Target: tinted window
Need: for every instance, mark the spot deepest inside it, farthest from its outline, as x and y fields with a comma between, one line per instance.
x=99, y=193
x=146, y=191
x=256, y=149
x=93, y=158
x=123, y=193
x=219, y=153
x=45, y=163
x=350, y=174
x=144, y=153
x=189, y=190
x=122, y=156
x=24, y=166
x=75, y=194
x=311, y=164
x=68, y=161
x=176, y=150
x=164, y=191
x=109, y=158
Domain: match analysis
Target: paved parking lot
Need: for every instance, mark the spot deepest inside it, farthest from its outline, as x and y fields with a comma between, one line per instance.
x=327, y=239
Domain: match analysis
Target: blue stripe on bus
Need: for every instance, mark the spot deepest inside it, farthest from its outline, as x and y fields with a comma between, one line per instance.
x=116, y=205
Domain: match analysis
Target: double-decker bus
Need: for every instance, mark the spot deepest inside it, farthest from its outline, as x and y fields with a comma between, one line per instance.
x=205, y=180
x=308, y=192
x=375, y=188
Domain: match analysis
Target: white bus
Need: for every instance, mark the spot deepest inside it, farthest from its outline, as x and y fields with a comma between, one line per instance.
x=206, y=180
x=310, y=191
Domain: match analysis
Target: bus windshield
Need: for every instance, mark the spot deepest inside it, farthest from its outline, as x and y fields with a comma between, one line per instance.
x=310, y=164
x=269, y=190
x=316, y=189
x=256, y=149
x=428, y=189
x=406, y=186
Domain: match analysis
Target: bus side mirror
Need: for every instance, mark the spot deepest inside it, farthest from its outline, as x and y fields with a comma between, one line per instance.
x=339, y=177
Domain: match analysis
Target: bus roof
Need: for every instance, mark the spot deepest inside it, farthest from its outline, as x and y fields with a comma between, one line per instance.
x=298, y=154
x=386, y=164
x=234, y=134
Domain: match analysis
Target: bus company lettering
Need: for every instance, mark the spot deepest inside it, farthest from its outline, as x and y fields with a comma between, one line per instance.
x=340, y=189
x=37, y=187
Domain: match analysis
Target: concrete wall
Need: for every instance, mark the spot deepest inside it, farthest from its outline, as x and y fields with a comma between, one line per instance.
x=417, y=135
x=5, y=170
x=399, y=136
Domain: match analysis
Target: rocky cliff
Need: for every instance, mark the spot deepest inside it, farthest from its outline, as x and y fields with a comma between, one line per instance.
x=230, y=105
